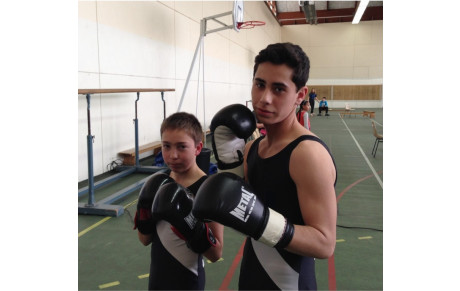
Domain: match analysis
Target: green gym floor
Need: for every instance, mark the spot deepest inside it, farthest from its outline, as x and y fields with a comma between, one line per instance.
x=110, y=257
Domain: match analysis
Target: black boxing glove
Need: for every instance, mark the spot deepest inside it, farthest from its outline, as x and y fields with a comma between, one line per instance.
x=173, y=203
x=227, y=199
x=230, y=127
x=143, y=220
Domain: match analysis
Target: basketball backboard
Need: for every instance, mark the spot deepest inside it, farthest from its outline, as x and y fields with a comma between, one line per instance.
x=238, y=13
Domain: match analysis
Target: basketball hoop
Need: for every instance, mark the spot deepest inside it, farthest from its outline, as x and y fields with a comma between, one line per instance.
x=250, y=24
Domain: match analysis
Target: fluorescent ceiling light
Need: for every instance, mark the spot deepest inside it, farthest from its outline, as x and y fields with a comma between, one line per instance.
x=359, y=13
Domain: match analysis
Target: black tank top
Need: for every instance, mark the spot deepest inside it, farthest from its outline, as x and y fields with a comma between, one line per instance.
x=173, y=266
x=271, y=180
x=276, y=187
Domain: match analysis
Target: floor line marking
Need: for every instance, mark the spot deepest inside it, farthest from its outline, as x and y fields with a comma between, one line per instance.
x=102, y=220
x=144, y=276
x=111, y=284
x=365, y=237
x=331, y=273
x=364, y=155
x=228, y=277
x=352, y=185
x=219, y=260
x=94, y=226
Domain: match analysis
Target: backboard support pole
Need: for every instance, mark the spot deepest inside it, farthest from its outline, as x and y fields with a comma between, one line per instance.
x=204, y=32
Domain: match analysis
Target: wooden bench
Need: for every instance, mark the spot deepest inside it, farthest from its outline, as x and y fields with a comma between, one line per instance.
x=129, y=156
x=370, y=114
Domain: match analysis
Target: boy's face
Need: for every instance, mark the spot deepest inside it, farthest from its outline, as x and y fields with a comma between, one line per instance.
x=274, y=94
x=179, y=150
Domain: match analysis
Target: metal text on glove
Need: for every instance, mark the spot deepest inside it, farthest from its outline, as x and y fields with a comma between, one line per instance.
x=240, y=210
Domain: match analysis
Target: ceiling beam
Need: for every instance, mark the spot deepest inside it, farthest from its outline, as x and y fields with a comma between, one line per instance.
x=330, y=16
x=373, y=13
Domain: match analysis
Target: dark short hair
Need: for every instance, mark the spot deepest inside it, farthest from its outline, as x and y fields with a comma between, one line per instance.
x=286, y=53
x=185, y=121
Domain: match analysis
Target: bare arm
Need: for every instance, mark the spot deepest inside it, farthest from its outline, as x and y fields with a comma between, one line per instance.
x=145, y=239
x=215, y=253
x=313, y=172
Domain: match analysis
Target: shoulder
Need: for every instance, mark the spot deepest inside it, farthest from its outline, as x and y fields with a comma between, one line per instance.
x=247, y=147
x=310, y=157
x=309, y=147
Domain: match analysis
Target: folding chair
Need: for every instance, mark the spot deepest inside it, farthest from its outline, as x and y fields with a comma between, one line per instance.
x=378, y=139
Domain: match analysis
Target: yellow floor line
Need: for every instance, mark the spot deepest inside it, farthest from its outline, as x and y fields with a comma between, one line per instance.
x=129, y=204
x=94, y=226
x=102, y=220
x=340, y=240
x=219, y=260
x=365, y=237
x=103, y=286
x=143, y=276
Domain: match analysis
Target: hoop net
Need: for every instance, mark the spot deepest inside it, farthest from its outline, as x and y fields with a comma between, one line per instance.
x=250, y=24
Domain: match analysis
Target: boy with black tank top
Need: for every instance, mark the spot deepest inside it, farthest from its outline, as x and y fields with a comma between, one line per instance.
x=292, y=171
x=166, y=200
x=287, y=204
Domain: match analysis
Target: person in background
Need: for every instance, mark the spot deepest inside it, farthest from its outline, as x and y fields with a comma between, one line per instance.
x=302, y=114
x=312, y=98
x=165, y=204
x=323, y=106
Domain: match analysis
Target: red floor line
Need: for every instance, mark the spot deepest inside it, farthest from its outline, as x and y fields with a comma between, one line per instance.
x=351, y=186
x=331, y=273
x=232, y=269
x=354, y=184
x=331, y=263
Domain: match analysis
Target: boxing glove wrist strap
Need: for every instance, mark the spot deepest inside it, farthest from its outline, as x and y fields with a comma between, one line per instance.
x=145, y=224
x=202, y=240
x=278, y=231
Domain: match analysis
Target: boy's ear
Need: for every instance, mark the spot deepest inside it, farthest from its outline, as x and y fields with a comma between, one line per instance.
x=301, y=94
x=198, y=148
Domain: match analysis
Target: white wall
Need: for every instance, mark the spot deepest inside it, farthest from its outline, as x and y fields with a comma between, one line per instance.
x=342, y=54
x=150, y=44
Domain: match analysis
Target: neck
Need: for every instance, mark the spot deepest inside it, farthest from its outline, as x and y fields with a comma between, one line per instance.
x=285, y=128
x=189, y=176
